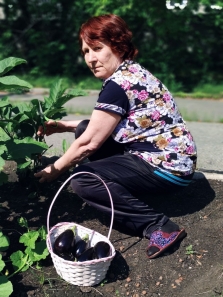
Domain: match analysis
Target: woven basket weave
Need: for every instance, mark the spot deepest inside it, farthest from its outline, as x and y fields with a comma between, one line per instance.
x=88, y=273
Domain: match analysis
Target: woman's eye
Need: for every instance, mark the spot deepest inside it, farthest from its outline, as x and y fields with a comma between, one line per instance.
x=98, y=48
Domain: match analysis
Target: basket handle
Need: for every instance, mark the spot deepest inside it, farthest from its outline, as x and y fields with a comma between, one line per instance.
x=85, y=172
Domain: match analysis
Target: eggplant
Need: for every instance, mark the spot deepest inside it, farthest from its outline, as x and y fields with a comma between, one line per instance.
x=80, y=246
x=87, y=255
x=64, y=242
x=67, y=257
x=101, y=250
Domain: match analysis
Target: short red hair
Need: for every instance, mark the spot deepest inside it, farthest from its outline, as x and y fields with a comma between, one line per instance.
x=112, y=30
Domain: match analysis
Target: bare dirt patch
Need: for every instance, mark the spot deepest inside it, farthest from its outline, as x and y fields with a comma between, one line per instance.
x=192, y=268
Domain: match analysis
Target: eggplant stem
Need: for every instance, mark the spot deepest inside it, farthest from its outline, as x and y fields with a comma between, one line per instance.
x=74, y=228
x=85, y=238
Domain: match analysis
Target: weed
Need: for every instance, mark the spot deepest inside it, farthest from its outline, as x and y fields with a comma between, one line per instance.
x=189, y=250
x=103, y=282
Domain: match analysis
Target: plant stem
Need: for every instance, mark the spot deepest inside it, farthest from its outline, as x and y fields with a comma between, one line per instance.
x=20, y=268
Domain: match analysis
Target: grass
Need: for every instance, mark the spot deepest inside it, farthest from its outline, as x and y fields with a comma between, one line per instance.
x=198, y=95
x=209, y=91
x=85, y=83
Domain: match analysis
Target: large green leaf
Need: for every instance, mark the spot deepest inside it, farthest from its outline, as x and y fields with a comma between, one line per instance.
x=71, y=94
x=51, y=112
x=4, y=242
x=29, y=238
x=19, y=260
x=56, y=91
x=39, y=252
x=2, y=161
x=24, y=164
x=9, y=63
x=6, y=288
x=3, y=147
x=24, y=148
x=12, y=81
x=21, y=107
x=3, y=136
x=4, y=102
x=2, y=263
x=21, y=117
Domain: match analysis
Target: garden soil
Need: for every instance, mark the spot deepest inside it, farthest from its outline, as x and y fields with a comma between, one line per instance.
x=192, y=268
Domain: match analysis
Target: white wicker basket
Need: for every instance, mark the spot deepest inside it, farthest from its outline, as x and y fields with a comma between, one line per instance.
x=88, y=273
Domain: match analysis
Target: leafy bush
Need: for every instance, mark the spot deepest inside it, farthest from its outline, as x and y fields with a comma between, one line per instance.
x=19, y=122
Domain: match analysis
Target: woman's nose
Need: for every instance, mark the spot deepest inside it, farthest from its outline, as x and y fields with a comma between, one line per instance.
x=91, y=56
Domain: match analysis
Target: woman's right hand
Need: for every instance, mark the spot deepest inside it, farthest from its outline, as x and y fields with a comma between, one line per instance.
x=51, y=127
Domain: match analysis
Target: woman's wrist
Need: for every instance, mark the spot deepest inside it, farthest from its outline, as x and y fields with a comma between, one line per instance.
x=70, y=126
x=60, y=165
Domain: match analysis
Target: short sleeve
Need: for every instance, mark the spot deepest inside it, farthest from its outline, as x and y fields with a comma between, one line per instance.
x=113, y=99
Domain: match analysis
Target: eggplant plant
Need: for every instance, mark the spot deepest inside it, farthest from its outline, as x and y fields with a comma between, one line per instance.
x=19, y=122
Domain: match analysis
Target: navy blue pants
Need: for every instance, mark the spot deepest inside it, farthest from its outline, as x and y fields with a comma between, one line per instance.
x=128, y=177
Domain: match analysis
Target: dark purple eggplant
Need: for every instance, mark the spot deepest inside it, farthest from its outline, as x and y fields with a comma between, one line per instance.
x=64, y=242
x=101, y=250
x=80, y=246
x=87, y=255
x=68, y=257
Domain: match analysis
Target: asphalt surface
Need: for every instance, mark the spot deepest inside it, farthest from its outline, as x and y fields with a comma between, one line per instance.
x=207, y=132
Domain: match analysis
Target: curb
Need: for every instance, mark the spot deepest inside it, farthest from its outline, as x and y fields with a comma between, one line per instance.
x=207, y=175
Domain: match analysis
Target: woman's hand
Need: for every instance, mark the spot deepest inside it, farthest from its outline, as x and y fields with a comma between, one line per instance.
x=100, y=127
x=48, y=174
x=51, y=127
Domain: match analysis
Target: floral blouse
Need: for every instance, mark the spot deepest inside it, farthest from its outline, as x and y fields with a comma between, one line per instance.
x=151, y=125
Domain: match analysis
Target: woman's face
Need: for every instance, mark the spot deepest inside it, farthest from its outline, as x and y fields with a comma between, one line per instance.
x=100, y=59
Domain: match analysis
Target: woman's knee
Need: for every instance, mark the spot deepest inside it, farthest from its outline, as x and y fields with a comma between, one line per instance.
x=77, y=187
x=81, y=127
x=84, y=184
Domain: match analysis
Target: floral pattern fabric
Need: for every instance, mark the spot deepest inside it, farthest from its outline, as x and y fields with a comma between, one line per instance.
x=153, y=118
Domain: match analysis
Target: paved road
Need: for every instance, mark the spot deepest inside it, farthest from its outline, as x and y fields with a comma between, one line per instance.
x=201, y=110
x=208, y=136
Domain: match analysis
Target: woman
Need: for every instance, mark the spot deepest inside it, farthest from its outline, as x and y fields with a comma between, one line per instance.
x=136, y=139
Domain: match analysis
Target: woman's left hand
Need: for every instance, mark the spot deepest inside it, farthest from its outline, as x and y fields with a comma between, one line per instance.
x=48, y=174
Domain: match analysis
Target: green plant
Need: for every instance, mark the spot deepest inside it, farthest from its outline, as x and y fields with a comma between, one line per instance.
x=19, y=122
x=65, y=145
x=103, y=282
x=34, y=251
x=211, y=89
x=189, y=250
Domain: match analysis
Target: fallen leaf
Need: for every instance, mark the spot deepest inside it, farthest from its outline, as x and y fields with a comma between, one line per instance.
x=199, y=256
